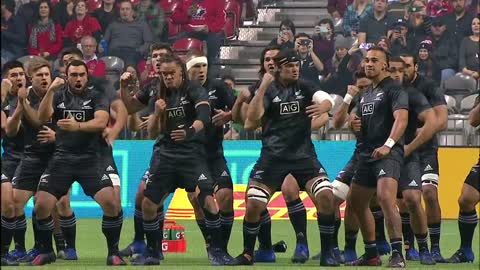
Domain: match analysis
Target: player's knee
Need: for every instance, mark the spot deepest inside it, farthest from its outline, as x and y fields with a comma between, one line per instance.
x=290, y=189
x=257, y=195
x=149, y=208
x=411, y=200
x=340, y=190
x=466, y=203
x=386, y=201
x=8, y=208
x=224, y=198
x=110, y=208
x=430, y=194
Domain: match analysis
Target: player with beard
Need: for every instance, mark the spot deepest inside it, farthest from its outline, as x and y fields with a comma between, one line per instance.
x=469, y=198
x=284, y=106
x=81, y=114
x=182, y=111
x=410, y=193
x=429, y=155
x=12, y=144
x=383, y=111
x=221, y=101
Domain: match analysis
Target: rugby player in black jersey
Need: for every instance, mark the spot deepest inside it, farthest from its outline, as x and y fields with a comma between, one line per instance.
x=410, y=186
x=12, y=144
x=221, y=100
x=429, y=153
x=283, y=104
x=81, y=114
x=182, y=111
x=469, y=198
x=383, y=111
x=140, y=104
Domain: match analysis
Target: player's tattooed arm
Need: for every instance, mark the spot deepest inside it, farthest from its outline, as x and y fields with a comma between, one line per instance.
x=441, y=113
x=97, y=124
x=15, y=120
x=238, y=110
x=110, y=134
x=427, y=117
x=154, y=126
x=474, y=115
x=31, y=114
x=318, y=122
x=398, y=128
x=256, y=109
x=131, y=102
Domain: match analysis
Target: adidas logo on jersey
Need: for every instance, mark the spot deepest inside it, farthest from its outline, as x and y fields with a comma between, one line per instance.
x=276, y=99
x=105, y=177
x=4, y=177
x=202, y=177
x=110, y=169
x=321, y=170
x=428, y=168
x=224, y=174
x=413, y=184
x=382, y=172
x=61, y=106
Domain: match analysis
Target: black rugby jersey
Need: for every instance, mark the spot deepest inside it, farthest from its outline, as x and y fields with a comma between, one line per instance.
x=417, y=103
x=12, y=146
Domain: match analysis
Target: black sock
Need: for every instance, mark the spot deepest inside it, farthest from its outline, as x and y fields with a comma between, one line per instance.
x=138, y=224
x=434, y=231
x=265, y=231
x=226, y=219
x=396, y=244
x=338, y=223
x=351, y=240
x=326, y=224
x=8, y=228
x=298, y=217
x=408, y=236
x=203, y=228
x=69, y=230
x=467, y=221
x=60, y=242
x=379, y=223
x=214, y=225
x=36, y=238
x=152, y=233
x=422, y=242
x=370, y=249
x=45, y=231
x=250, y=231
x=161, y=220
x=20, y=231
x=111, y=228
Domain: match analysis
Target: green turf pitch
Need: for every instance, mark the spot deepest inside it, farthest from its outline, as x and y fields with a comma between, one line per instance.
x=91, y=247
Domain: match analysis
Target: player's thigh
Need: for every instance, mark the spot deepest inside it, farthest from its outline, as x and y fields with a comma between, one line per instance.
x=91, y=176
x=430, y=168
x=28, y=173
x=410, y=179
x=161, y=178
x=58, y=177
x=268, y=174
x=9, y=165
x=220, y=174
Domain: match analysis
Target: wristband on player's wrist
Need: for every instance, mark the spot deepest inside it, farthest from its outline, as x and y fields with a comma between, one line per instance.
x=389, y=143
x=189, y=132
x=348, y=99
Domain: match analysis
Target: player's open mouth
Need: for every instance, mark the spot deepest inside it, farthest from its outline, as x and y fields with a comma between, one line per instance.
x=44, y=84
x=78, y=85
x=19, y=85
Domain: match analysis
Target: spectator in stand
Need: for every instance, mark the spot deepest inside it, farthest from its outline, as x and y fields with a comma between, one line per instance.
x=459, y=21
x=345, y=62
x=82, y=25
x=203, y=20
x=230, y=81
x=27, y=11
x=286, y=35
x=419, y=25
x=384, y=43
x=425, y=62
x=398, y=38
x=231, y=130
x=375, y=24
x=96, y=67
x=354, y=13
x=336, y=8
x=469, y=63
x=445, y=52
x=154, y=15
x=63, y=12
x=474, y=7
x=126, y=37
x=106, y=14
x=436, y=8
x=324, y=43
x=44, y=36
x=310, y=65
x=14, y=32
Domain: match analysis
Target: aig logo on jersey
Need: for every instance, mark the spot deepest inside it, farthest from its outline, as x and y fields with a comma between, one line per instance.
x=289, y=107
x=176, y=112
x=368, y=108
x=78, y=115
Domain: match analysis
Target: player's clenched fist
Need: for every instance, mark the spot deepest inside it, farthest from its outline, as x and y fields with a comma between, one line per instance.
x=160, y=106
x=125, y=79
x=352, y=90
x=267, y=78
x=57, y=84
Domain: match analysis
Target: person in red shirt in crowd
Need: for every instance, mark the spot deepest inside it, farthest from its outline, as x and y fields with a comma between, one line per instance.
x=96, y=67
x=436, y=8
x=204, y=20
x=82, y=25
x=44, y=36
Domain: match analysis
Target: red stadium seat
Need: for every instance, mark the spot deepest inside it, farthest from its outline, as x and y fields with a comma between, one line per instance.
x=168, y=5
x=173, y=28
x=230, y=27
x=92, y=5
x=54, y=2
x=233, y=6
x=135, y=2
x=186, y=44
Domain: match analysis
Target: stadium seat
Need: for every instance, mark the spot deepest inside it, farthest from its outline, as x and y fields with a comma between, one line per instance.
x=186, y=44
x=135, y=2
x=168, y=5
x=451, y=104
x=93, y=4
x=337, y=100
x=173, y=28
x=114, y=67
x=460, y=84
x=54, y=2
x=234, y=7
x=467, y=104
x=230, y=27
